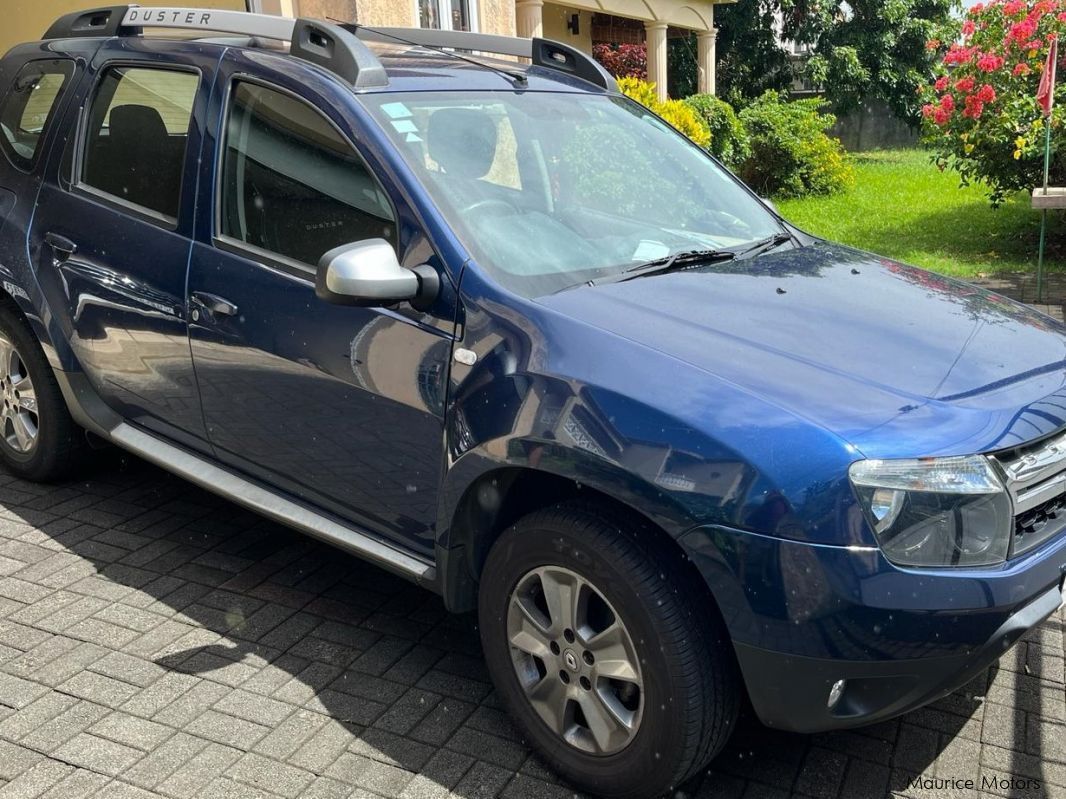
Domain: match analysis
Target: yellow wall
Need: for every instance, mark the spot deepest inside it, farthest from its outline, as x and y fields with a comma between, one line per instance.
x=27, y=20
x=556, y=19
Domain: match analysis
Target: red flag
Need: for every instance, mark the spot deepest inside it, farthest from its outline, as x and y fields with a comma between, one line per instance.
x=1045, y=95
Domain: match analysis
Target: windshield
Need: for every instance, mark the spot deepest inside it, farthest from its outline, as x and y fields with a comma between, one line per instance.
x=549, y=190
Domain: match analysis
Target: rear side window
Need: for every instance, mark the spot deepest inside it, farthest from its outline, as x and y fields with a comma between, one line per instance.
x=29, y=107
x=291, y=183
x=137, y=135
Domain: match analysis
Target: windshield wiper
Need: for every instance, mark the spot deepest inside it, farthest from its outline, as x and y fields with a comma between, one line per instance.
x=765, y=245
x=659, y=266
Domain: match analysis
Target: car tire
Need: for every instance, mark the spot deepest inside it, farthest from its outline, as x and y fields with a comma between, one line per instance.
x=622, y=597
x=39, y=440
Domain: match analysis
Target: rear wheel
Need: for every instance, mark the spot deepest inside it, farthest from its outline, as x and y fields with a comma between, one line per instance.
x=38, y=438
x=599, y=646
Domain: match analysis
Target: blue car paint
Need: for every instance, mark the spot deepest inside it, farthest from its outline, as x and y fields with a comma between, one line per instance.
x=724, y=404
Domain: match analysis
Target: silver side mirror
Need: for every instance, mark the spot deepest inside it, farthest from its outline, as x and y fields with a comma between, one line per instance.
x=368, y=273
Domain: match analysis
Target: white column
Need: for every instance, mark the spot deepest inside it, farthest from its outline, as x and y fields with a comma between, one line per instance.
x=705, y=49
x=529, y=18
x=656, y=36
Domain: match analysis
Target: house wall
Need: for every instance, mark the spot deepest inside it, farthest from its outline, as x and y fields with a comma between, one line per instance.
x=27, y=20
x=555, y=21
x=494, y=16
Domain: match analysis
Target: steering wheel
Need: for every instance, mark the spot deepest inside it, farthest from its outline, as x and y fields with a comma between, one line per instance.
x=498, y=207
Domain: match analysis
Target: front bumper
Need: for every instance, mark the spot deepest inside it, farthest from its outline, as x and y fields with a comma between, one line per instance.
x=803, y=616
x=791, y=693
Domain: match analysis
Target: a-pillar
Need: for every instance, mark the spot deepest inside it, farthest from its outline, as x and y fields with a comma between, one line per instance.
x=529, y=18
x=656, y=36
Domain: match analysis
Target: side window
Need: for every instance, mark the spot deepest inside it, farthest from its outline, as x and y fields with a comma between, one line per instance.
x=28, y=107
x=136, y=136
x=293, y=185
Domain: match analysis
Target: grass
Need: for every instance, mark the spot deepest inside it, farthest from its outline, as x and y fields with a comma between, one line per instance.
x=902, y=206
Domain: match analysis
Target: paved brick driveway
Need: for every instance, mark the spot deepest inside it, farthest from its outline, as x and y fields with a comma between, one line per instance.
x=155, y=640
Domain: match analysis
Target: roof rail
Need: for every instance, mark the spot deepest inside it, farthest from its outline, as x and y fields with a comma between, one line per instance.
x=321, y=43
x=542, y=52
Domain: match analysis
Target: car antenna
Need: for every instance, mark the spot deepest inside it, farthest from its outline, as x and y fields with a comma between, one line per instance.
x=515, y=75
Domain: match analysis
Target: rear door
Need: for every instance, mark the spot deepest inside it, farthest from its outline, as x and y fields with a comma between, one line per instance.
x=340, y=406
x=113, y=231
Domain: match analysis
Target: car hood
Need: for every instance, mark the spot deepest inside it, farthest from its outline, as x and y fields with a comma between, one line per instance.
x=897, y=361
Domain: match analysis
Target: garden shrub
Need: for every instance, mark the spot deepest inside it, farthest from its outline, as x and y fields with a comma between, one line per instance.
x=623, y=60
x=981, y=115
x=676, y=112
x=729, y=140
x=790, y=153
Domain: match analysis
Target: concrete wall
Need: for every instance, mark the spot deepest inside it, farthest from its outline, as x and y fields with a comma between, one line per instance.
x=27, y=20
x=873, y=127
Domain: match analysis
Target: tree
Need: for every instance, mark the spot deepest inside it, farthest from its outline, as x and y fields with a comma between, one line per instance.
x=862, y=50
x=982, y=115
x=751, y=60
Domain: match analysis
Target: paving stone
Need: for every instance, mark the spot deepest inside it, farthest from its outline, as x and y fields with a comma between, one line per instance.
x=41, y=777
x=227, y=730
x=98, y=754
x=14, y=760
x=270, y=775
x=131, y=731
x=156, y=641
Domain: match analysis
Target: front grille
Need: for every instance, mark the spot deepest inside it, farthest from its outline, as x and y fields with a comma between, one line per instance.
x=1034, y=527
x=1036, y=478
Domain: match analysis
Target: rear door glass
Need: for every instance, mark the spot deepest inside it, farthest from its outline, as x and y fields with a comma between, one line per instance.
x=29, y=107
x=138, y=130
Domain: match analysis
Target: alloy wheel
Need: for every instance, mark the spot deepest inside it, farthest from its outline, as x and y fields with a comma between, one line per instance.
x=575, y=660
x=18, y=413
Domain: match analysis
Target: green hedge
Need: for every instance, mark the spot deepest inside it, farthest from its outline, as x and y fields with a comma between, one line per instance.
x=790, y=153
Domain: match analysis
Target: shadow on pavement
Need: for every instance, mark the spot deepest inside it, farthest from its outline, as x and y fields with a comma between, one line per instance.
x=360, y=676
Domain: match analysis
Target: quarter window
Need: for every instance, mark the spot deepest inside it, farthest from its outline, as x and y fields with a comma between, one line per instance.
x=291, y=183
x=29, y=106
x=137, y=136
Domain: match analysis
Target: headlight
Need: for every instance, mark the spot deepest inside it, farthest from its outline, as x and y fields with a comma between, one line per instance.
x=936, y=511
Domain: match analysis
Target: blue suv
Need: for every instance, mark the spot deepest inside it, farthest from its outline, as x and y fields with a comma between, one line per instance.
x=496, y=328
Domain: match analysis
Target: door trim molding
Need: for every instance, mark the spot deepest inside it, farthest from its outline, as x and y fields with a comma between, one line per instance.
x=267, y=503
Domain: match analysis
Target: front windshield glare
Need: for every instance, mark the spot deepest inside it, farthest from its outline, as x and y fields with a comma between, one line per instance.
x=549, y=190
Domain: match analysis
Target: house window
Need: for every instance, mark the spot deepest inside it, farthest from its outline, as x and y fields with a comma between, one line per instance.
x=449, y=15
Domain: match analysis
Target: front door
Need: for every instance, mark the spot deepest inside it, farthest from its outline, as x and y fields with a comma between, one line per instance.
x=339, y=406
x=113, y=234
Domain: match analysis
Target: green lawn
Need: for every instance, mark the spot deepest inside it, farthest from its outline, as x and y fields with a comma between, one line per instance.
x=902, y=206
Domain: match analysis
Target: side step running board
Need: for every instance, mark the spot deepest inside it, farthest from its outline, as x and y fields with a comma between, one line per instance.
x=244, y=492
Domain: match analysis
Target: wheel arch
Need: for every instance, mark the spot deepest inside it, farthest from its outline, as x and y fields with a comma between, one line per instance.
x=488, y=503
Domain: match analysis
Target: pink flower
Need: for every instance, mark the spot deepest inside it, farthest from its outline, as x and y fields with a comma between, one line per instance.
x=1013, y=8
x=941, y=117
x=1021, y=69
x=965, y=85
x=928, y=110
x=990, y=63
x=942, y=83
x=947, y=102
x=968, y=28
x=986, y=94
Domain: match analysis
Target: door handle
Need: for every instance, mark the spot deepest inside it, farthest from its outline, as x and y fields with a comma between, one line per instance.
x=62, y=247
x=214, y=303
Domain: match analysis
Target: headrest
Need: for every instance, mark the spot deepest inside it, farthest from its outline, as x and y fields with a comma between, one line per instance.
x=462, y=141
x=137, y=125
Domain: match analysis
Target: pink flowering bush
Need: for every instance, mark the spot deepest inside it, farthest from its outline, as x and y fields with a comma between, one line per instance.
x=981, y=114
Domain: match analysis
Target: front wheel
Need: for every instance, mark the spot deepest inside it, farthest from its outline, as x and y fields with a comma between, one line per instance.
x=601, y=645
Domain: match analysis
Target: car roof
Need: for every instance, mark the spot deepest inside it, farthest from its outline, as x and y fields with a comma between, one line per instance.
x=367, y=58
